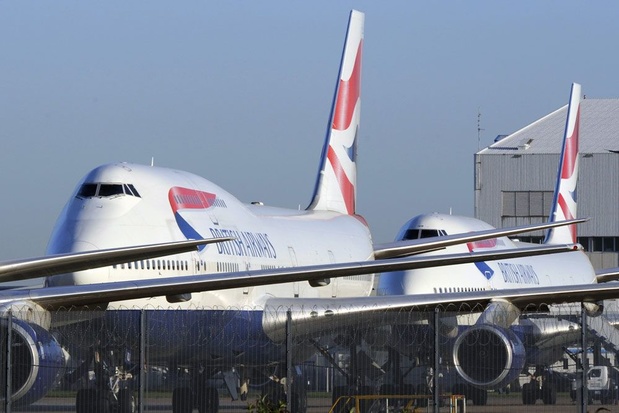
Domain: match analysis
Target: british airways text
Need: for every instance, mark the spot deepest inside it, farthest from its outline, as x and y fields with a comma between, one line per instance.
x=518, y=273
x=245, y=244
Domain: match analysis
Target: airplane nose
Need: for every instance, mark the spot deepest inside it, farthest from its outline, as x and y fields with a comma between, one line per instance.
x=95, y=275
x=79, y=246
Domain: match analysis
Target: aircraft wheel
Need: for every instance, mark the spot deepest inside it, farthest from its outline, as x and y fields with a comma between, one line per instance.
x=208, y=400
x=182, y=401
x=528, y=394
x=549, y=394
x=126, y=401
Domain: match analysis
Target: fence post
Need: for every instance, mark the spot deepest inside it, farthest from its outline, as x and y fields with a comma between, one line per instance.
x=142, y=370
x=289, y=374
x=435, y=385
x=584, y=391
x=8, y=356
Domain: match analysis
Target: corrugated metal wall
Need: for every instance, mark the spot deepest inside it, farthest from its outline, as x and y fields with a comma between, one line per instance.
x=598, y=194
x=598, y=187
x=510, y=172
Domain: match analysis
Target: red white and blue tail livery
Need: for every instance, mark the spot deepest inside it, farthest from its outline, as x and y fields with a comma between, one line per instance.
x=564, y=205
x=337, y=179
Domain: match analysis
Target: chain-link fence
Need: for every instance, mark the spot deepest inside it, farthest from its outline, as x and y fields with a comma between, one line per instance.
x=308, y=359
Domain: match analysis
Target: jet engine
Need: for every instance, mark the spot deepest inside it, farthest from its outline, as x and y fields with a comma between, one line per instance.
x=37, y=361
x=593, y=309
x=488, y=357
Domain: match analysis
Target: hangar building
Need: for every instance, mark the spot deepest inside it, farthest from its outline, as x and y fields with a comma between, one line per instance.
x=515, y=177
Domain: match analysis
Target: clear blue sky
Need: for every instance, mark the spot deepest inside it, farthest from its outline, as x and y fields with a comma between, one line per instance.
x=239, y=92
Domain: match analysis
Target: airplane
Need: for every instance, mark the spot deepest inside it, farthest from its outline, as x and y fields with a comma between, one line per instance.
x=261, y=256
x=537, y=346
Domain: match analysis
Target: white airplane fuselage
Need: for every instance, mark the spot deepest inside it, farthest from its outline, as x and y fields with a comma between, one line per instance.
x=561, y=269
x=130, y=204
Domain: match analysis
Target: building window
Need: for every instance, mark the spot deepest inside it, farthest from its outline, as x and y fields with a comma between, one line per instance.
x=526, y=203
x=599, y=244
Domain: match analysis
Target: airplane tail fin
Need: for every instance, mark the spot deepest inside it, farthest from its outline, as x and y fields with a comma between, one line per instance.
x=336, y=184
x=564, y=203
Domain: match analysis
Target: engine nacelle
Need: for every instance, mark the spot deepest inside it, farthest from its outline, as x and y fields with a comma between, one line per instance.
x=37, y=361
x=488, y=356
x=593, y=309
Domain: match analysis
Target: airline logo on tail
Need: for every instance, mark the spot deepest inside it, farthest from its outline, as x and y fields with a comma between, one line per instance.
x=343, y=163
x=569, y=173
x=565, y=205
x=337, y=179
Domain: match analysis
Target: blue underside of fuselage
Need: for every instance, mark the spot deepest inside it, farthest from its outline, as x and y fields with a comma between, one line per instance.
x=185, y=337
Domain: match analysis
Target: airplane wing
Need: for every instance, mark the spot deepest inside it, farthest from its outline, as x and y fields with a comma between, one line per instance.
x=606, y=275
x=29, y=268
x=312, y=316
x=61, y=263
x=103, y=293
x=404, y=248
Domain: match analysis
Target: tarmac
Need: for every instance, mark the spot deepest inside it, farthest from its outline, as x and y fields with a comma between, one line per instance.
x=497, y=403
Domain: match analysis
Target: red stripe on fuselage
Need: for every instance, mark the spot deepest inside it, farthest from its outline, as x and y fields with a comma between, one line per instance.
x=348, y=94
x=185, y=198
x=486, y=243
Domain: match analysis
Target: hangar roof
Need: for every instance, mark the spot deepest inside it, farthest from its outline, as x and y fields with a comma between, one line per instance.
x=599, y=131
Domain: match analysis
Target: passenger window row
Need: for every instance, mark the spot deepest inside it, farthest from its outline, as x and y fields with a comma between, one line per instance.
x=457, y=290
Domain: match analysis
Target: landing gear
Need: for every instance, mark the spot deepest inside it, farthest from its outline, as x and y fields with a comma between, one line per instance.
x=182, y=400
x=542, y=386
x=98, y=401
x=207, y=400
x=112, y=386
x=199, y=394
x=549, y=394
x=529, y=393
x=275, y=393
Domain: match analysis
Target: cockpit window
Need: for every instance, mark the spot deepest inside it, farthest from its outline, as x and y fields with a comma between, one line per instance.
x=87, y=191
x=133, y=190
x=110, y=190
x=411, y=234
x=427, y=233
x=102, y=190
